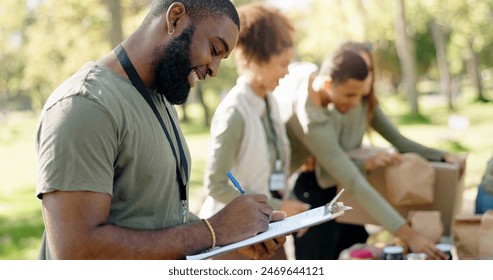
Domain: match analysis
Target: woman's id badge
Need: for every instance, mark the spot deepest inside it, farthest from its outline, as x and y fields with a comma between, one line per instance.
x=277, y=179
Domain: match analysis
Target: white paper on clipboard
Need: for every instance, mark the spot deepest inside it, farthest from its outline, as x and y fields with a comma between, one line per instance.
x=294, y=223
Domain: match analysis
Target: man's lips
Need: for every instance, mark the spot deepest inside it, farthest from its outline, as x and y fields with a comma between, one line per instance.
x=194, y=76
x=200, y=75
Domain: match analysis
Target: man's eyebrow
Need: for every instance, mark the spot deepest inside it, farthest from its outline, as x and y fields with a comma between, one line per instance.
x=225, y=44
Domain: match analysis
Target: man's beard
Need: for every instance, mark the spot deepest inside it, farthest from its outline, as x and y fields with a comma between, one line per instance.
x=172, y=66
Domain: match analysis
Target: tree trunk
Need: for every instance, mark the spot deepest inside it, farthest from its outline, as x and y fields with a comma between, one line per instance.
x=200, y=97
x=405, y=51
x=115, y=32
x=473, y=69
x=443, y=66
x=184, y=116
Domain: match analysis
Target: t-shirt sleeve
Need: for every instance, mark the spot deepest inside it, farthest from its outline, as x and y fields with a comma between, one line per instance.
x=76, y=146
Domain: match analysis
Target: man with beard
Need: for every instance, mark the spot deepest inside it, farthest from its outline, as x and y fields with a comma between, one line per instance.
x=113, y=163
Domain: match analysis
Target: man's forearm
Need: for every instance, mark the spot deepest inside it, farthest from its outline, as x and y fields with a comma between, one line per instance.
x=113, y=242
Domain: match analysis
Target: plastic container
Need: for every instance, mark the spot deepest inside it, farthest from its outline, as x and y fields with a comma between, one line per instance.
x=360, y=254
x=393, y=253
x=416, y=256
x=446, y=249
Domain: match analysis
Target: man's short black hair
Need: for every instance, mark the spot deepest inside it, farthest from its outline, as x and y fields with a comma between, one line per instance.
x=199, y=9
x=344, y=65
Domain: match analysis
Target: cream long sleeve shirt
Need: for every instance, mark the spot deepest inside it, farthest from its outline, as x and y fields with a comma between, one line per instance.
x=241, y=142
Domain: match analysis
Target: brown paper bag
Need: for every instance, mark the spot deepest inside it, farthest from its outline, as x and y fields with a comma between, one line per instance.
x=486, y=235
x=427, y=223
x=411, y=182
x=466, y=235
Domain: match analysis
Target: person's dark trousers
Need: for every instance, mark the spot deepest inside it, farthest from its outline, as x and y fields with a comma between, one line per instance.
x=327, y=240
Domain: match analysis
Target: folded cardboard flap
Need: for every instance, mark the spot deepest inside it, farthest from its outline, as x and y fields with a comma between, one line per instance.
x=448, y=189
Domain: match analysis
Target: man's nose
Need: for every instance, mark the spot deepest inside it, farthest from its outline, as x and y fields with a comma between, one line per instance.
x=213, y=67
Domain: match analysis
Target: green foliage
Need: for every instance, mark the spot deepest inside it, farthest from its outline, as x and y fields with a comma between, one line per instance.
x=385, y=56
x=409, y=119
x=215, y=88
x=20, y=223
x=49, y=40
x=11, y=58
x=21, y=231
x=66, y=35
x=456, y=146
x=425, y=51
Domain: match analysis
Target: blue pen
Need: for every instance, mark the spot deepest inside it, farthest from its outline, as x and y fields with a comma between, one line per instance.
x=237, y=185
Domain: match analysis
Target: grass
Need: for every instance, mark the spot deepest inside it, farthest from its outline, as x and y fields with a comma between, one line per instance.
x=21, y=223
x=20, y=215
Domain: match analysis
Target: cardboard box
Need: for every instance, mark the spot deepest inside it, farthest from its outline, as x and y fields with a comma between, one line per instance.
x=448, y=189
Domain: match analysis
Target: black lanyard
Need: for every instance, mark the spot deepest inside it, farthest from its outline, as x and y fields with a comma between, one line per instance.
x=139, y=85
x=275, y=141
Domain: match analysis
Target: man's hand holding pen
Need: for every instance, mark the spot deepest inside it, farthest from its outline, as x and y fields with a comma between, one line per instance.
x=246, y=216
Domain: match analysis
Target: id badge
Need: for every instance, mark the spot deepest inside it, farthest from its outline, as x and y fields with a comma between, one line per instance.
x=277, y=179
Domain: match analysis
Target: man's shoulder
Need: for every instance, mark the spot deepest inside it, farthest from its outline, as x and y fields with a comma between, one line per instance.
x=70, y=87
x=87, y=82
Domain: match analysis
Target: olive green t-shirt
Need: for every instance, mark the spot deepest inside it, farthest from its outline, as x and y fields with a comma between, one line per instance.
x=97, y=133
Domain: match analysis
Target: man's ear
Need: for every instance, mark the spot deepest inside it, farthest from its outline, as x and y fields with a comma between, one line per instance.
x=175, y=16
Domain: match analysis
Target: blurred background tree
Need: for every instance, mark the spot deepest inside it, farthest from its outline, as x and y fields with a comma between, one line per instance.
x=421, y=47
x=44, y=41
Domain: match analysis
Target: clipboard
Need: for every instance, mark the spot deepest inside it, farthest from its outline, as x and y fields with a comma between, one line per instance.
x=309, y=218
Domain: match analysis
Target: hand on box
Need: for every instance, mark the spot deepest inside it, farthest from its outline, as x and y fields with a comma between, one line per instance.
x=383, y=159
x=457, y=159
x=419, y=244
